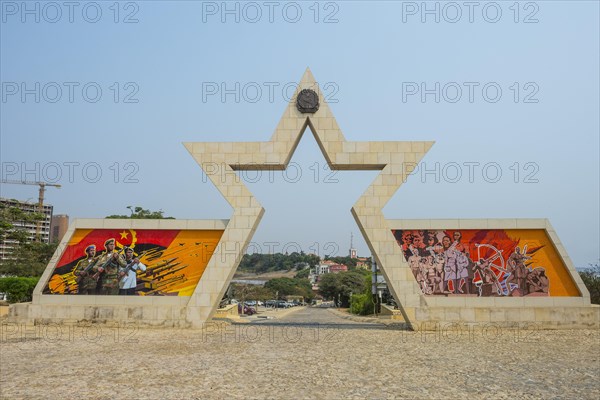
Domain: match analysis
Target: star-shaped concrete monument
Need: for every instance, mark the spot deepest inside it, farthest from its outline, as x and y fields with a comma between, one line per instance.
x=220, y=160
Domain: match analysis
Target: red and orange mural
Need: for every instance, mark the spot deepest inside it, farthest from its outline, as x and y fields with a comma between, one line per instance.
x=144, y=262
x=486, y=262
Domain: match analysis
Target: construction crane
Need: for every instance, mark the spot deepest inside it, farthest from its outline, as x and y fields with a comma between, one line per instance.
x=42, y=186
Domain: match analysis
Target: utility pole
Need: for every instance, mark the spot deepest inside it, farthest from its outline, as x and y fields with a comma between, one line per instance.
x=374, y=283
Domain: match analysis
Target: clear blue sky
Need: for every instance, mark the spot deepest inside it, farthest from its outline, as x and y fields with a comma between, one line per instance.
x=373, y=55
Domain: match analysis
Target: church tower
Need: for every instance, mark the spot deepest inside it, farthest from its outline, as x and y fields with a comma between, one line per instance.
x=352, y=249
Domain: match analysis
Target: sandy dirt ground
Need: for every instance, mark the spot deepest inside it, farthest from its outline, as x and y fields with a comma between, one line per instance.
x=311, y=354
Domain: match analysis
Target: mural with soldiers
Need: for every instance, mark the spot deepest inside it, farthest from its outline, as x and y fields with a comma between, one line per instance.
x=143, y=262
x=470, y=262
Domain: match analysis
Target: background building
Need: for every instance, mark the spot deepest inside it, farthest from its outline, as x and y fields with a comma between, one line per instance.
x=7, y=246
x=322, y=268
x=337, y=268
x=58, y=227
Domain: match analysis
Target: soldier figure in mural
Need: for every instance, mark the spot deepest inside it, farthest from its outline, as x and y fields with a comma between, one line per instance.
x=490, y=282
x=518, y=270
x=471, y=288
x=537, y=281
x=456, y=265
x=107, y=268
x=430, y=242
x=128, y=274
x=457, y=242
x=439, y=262
x=462, y=273
x=419, y=244
x=86, y=284
x=414, y=260
x=430, y=270
x=449, y=270
x=422, y=274
x=462, y=264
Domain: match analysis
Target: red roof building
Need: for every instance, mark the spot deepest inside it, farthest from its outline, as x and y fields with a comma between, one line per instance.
x=336, y=268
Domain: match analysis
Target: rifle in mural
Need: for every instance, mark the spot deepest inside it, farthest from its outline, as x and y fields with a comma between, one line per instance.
x=126, y=270
x=162, y=286
x=67, y=282
x=131, y=264
x=163, y=265
x=157, y=274
x=86, y=271
x=171, y=272
x=152, y=284
x=97, y=275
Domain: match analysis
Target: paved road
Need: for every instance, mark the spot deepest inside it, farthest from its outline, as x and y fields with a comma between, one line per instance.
x=316, y=316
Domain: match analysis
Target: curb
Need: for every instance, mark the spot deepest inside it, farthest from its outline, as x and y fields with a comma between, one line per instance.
x=358, y=318
x=262, y=316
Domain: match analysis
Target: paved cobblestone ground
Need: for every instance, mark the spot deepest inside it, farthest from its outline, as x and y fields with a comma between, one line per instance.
x=308, y=354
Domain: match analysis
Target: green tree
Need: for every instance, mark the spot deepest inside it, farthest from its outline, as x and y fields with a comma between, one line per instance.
x=28, y=258
x=341, y=285
x=591, y=278
x=13, y=221
x=302, y=274
x=18, y=289
x=261, y=263
x=138, y=212
x=362, y=303
x=290, y=287
x=245, y=292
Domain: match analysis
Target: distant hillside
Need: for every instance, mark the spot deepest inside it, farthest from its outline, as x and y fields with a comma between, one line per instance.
x=265, y=263
x=264, y=276
x=262, y=263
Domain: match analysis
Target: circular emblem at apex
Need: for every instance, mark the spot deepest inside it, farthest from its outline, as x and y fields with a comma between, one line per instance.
x=307, y=101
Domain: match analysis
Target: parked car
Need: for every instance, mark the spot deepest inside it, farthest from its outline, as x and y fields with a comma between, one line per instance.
x=271, y=303
x=247, y=310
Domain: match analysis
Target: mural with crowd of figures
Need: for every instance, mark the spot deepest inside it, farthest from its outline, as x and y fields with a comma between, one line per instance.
x=144, y=262
x=485, y=262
